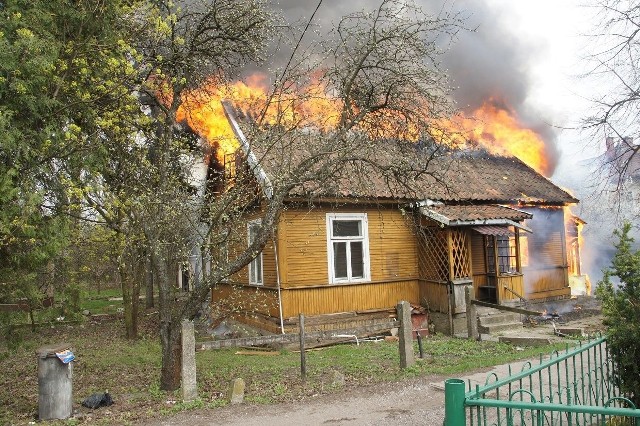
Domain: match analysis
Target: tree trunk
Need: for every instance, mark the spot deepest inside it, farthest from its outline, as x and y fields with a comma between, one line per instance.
x=169, y=326
x=171, y=355
x=148, y=277
x=129, y=302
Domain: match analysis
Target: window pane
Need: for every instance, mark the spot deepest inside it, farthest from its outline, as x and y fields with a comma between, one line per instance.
x=258, y=269
x=491, y=267
x=357, y=260
x=347, y=228
x=253, y=231
x=340, y=259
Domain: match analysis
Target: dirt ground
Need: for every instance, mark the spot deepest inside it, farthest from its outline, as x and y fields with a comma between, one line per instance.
x=416, y=401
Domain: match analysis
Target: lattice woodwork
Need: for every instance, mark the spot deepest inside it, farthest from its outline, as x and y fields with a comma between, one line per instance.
x=460, y=254
x=433, y=254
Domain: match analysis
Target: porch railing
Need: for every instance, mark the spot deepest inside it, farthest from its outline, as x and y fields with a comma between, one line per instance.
x=573, y=387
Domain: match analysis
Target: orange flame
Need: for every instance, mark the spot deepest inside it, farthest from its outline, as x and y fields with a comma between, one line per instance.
x=495, y=128
x=202, y=110
x=578, y=280
x=498, y=131
x=308, y=106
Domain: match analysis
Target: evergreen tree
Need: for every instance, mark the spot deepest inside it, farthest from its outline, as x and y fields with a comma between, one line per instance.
x=621, y=310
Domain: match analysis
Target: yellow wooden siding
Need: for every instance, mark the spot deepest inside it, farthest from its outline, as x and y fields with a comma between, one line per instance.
x=392, y=245
x=513, y=282
x=477, y=254
x=557, y=293
x=479, y=280
x=268, y=254
x=246, y=299
x=435, y=294
x=347, y=298
x=545, y=280
x=303, y=242
x=547, y=262
x=545, y=252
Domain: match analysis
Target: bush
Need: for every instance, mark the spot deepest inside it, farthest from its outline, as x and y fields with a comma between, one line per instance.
x=621, y=310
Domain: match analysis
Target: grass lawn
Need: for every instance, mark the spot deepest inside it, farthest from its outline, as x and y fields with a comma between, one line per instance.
x=130, y=370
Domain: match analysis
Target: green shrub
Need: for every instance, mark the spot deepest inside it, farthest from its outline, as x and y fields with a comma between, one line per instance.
x=621, y=310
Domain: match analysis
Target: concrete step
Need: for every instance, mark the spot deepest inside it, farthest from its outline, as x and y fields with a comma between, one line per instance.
x=499, y=318
x=503, y=326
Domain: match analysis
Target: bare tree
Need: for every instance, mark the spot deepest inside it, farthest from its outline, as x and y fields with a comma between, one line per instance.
x=616, y=92
x=379, y=70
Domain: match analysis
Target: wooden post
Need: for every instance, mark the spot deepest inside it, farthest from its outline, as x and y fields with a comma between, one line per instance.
x=472, y=318
x=303, y=358
x=450, y=254
x=405, y=335
x=451, y=306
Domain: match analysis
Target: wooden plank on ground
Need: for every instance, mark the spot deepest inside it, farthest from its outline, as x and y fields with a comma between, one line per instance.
x=294, y=337
x=506, y=308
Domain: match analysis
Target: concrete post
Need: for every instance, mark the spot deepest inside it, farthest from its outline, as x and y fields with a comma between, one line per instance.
x=405, y=334
x=189, y=385
x=55, y=388
x=236, y=392
x=472, y=316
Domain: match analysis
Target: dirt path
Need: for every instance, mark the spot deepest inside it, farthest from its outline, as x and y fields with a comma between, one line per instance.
x=407, y=403
x=410, y=402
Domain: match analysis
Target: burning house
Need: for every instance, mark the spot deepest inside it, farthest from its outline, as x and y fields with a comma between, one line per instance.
x=346, y=256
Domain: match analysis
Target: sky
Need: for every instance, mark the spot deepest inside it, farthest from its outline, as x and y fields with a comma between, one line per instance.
x=558, y=33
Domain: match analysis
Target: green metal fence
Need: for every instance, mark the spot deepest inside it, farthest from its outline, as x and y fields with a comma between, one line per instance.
x=571, y=387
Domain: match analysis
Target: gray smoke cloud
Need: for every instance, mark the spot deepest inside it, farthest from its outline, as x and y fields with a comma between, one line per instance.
x=486, y=62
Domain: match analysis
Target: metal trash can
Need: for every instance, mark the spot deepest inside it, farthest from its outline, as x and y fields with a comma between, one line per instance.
x=55, y=371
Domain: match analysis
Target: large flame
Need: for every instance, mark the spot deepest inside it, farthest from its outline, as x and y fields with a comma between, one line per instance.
x=304, y=106
x=492, y=126
x=578, y=279
x=497, y=129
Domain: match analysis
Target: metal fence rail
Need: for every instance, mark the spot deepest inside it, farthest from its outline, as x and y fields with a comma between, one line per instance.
x=572, y=387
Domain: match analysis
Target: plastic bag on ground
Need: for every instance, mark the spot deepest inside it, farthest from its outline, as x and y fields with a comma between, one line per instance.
x=97, y=400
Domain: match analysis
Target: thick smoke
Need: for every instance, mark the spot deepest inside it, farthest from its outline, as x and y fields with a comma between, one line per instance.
x=486, y=62
x=491, y=63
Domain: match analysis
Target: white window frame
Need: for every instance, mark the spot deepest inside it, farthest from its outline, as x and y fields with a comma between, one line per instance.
x=331, y=217
x=254, y=263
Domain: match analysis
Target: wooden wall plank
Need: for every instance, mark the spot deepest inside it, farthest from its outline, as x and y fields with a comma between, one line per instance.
x=348, y=298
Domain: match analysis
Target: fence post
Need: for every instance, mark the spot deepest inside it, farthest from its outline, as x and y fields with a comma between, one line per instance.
x=454, y=414
x=189, y=384
x=405, y=335
x=303, y=358
x=472, y=316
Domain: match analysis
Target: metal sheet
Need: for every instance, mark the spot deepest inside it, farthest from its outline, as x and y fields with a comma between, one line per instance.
x=493, y=230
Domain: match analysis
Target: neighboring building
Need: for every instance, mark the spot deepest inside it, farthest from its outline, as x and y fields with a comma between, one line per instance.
x=347, y=256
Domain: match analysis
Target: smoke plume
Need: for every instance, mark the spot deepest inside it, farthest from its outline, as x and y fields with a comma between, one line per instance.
x=486, y=63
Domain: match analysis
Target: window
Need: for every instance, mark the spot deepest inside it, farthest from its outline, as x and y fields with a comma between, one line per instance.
x=347, y=247
x=503, y=249
x=255, y=267
x=507, y=255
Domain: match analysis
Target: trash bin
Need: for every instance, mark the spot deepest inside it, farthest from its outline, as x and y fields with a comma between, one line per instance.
x=55, y=371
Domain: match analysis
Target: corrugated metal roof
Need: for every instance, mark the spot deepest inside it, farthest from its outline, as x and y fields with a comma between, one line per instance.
x=479, y=212
x=492, y=230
